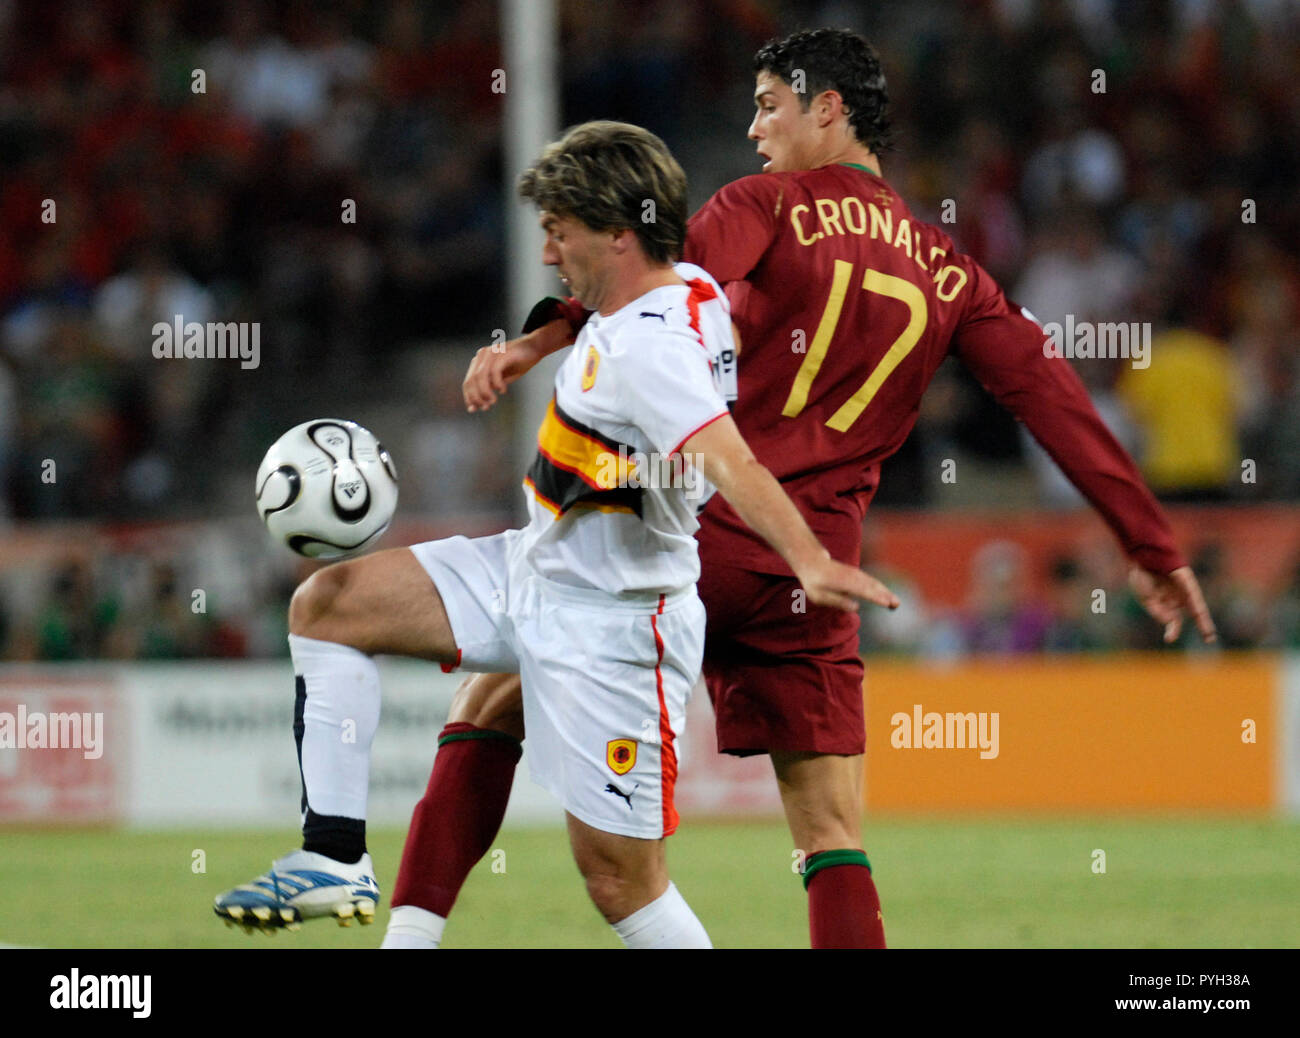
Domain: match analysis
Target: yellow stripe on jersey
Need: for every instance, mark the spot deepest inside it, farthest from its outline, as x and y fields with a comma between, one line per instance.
x=576, y=465
x=579, y=449
x=803, y=380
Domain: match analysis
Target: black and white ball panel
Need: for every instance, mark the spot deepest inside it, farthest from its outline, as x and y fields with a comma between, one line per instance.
x=327, y=489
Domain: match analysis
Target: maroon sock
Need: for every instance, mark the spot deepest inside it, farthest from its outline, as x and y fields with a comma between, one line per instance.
x=843, y=906
x=459, y=816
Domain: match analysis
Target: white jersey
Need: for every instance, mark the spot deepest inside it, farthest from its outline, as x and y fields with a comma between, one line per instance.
x=611, y=501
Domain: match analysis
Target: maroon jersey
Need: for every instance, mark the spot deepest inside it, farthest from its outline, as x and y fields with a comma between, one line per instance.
x=846, y=306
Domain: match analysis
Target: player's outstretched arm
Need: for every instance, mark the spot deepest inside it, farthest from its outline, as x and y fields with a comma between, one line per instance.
x=1008, y=352
x=495, y=367
x=721, y=454
x=1168, y=596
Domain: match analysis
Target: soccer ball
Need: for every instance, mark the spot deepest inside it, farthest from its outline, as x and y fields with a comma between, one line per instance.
x=327, y=489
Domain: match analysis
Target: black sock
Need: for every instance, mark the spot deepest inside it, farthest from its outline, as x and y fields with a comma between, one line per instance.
x=343, y=839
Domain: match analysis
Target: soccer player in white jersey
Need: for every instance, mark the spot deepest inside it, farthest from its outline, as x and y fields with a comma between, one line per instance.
x=594, y=601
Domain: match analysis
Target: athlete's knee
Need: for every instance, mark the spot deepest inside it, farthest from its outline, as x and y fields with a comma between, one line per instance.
x=492, y=701
x=467, y=705
x=616, y=894
x=831, y=831
x=316, y=598
x=621, y=880
x=822, y=799
x=822, y=821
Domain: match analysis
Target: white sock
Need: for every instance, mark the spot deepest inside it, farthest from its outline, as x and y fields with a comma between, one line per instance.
x=666, y=922
x=413, y=927
x=339, y=722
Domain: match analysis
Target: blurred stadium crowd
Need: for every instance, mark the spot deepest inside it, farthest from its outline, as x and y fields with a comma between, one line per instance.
x=1081, y=604
x=1165, y=194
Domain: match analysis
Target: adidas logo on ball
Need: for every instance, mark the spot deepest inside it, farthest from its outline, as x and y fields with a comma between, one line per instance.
x=327, y=489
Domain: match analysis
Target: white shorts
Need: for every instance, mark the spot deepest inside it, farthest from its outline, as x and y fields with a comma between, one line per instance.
x=605, y=679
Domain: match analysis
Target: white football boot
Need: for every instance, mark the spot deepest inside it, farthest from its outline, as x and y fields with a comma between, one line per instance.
x=302, y=885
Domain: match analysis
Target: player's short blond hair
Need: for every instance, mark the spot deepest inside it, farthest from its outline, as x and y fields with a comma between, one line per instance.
x=613, y=176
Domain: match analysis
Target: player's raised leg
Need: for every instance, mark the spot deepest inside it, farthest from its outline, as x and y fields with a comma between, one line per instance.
x=339, y=618
x=627, y=880
x=822, y=796
x=460, y=814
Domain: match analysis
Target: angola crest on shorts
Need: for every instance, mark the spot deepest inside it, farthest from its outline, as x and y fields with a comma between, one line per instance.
x=620, y=755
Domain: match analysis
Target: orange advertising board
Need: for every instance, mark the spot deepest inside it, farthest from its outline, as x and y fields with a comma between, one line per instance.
x=1130, y=732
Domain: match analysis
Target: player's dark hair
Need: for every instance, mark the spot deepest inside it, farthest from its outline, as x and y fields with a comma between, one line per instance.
x=605, y=174
x=839, y=60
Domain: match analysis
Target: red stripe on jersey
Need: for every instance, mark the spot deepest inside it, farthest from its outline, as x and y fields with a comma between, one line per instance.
x=701, y=292
x=703, y=425
x=542, y=499
x=589, y=480
x=667, y=754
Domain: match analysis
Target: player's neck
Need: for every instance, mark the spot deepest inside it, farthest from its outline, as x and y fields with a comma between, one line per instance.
x=854, y=154
x=638, y=283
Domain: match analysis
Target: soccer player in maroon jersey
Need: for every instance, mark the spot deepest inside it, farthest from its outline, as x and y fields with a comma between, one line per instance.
x=846, y=305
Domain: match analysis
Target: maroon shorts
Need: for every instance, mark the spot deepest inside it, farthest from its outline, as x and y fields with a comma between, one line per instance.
x=779, y=679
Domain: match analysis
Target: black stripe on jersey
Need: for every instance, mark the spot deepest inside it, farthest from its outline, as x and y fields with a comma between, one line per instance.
x=571, y=460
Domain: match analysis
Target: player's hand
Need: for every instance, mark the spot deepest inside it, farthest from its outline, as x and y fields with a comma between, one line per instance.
x=834, y=584
x=1166, y=597
x=495, y=367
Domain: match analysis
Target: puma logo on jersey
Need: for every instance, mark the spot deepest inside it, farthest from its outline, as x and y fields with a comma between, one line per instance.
x=611, y=788
x=651, y=313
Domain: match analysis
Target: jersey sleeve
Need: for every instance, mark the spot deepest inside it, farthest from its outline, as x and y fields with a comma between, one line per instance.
x=667, y=390
x=734, y=228
x=1004, y=349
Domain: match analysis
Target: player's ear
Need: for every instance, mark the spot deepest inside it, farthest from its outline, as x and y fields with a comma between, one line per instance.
x=828, y=105
x=622, y=239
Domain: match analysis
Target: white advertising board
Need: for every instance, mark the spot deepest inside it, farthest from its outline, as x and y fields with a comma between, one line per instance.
x=212, y=744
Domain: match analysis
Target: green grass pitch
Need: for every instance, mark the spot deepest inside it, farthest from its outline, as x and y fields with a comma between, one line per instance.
x=971, y=883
